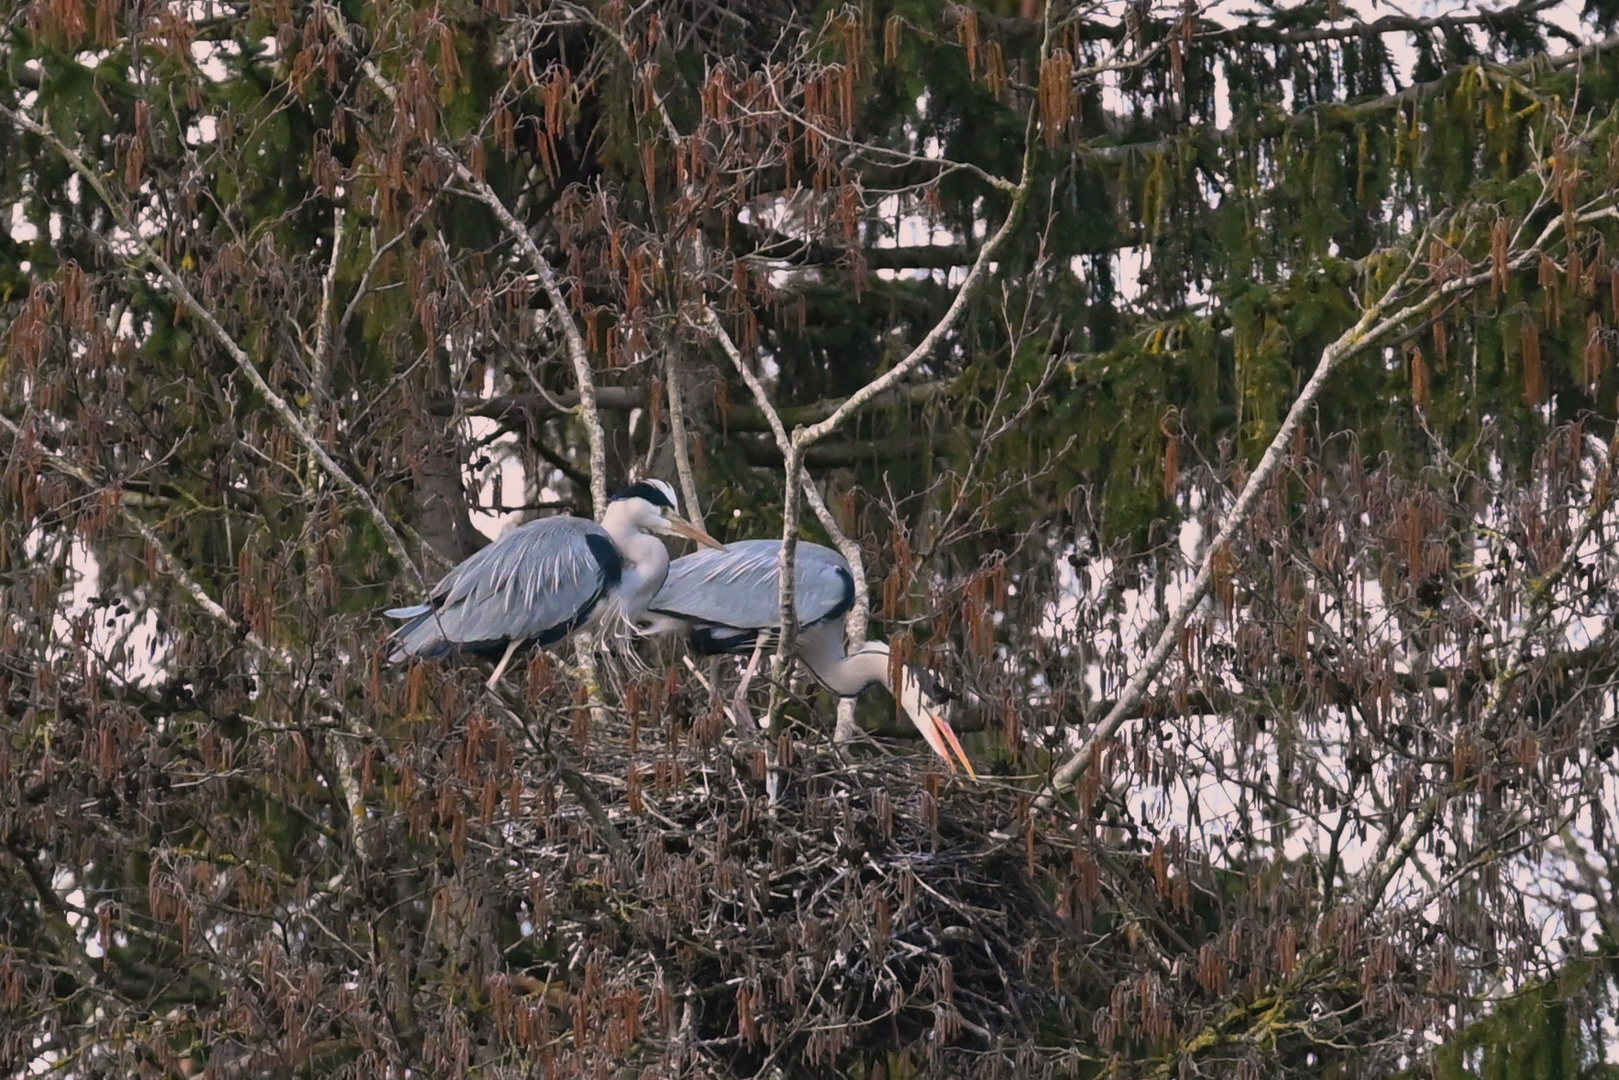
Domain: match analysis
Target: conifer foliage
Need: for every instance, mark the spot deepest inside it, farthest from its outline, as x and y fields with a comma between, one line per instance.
x=1224, y=401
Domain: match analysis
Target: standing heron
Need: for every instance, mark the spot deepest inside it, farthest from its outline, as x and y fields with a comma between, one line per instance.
x=730, y=602
x=547, y=579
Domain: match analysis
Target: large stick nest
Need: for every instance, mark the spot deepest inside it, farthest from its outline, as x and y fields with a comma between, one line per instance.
x=872, y=911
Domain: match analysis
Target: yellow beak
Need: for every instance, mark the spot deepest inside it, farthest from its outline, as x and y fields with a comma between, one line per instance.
x=681, y=527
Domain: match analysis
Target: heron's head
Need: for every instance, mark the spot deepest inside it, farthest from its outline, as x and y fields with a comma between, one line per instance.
x=650, y=505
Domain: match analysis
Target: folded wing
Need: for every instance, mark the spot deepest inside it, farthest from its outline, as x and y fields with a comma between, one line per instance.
x=738, y=587
x=540, y=581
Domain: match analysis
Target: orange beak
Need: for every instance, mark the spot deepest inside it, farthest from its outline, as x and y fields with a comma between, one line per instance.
x=681, y=527
x=934, y=728
x=942, y=737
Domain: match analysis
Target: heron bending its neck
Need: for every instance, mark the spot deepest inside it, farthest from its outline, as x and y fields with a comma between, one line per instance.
x=847, y=674
x=729, y=602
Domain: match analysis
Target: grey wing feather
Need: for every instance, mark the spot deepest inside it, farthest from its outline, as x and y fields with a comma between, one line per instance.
x=538, y=581
x=739, y=586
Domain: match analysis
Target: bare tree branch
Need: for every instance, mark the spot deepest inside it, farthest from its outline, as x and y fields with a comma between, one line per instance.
x=1370, y=329
x=677, y=432
x=320, y=360
x=478, y=189
x=284, y=411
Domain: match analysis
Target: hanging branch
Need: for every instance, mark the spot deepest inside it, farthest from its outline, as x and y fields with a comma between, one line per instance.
x=477, y=188
x=1372, y=327
x=1274, y=126
x=279, y=405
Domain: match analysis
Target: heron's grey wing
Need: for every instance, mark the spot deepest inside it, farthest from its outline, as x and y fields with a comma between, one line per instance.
x=739, y=587
x=540, y=581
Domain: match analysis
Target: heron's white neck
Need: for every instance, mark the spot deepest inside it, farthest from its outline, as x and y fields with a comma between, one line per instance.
x=821, y=650
x=646, y=560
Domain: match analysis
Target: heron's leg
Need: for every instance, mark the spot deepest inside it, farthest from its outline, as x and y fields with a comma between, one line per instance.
x=500, y=668
x=747, y=677
x=706, y=685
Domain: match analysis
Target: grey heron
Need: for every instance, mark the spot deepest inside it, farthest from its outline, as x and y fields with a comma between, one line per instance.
x=547, y=579
x=729, y=602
